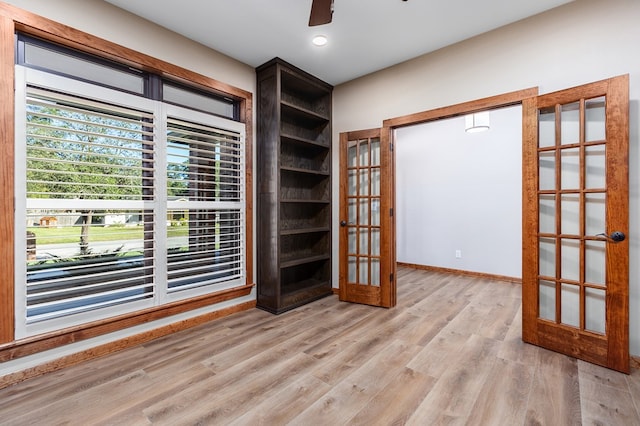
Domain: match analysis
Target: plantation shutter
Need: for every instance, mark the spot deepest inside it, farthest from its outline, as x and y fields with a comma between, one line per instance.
x=89, y=172
x=205, y=199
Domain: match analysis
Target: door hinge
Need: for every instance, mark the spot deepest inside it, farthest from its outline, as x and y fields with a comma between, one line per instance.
x=391, y=147
x=391, y=212
x=391, y=277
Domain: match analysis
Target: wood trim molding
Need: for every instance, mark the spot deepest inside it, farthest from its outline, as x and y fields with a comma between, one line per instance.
x=462, y=272
x=635, y=362
x=120, y=344
x=492, y=102
x=52, y=340
x=6, y=181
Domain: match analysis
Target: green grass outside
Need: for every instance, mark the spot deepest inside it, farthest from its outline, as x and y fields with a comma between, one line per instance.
x=99, y=233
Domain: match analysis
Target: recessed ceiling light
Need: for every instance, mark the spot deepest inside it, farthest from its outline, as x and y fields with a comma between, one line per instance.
x=319, y=40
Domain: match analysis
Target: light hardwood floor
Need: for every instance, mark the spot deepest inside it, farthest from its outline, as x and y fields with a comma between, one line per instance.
x=449, y=353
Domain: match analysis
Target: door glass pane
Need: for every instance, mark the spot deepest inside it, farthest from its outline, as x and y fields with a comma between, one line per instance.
x=352, y=154
x=570, y=123
x=570, y=216
x=595, y=310
x=547, y=164
x=595, y=119
x=375, y=152
x=375, y=272
x=364, y=182
x=594, y=207
x=364, y=271
x=375, y=241
x=364, y=211
x=353, y=183
x=547, y=214
x=375, y=181
x=375, y=211
x=547, y=127
x=364, y=152
x=570, y=168
x=364, y=241
x=353, y=248
x=595, y=263
x=570, y=259
x=353, y=210
x=570, y=305
x=353, y=270
x=595, y=167
x=547, y=307
x=547, y=257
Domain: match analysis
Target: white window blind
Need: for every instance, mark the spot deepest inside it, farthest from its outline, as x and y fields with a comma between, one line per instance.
x=89, y=165
x=205, y=168
x=93, y=198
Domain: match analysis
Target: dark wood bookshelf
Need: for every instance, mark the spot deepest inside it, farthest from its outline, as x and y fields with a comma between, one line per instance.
x=294, y=187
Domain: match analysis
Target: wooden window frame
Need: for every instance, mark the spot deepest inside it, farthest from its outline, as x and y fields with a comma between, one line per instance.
x=12, y=20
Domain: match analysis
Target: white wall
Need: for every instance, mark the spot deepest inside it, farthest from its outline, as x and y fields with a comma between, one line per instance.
x=583, y=41
x=461, y=191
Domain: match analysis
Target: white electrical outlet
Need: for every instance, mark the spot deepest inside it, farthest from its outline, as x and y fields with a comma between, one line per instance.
x=458, y=254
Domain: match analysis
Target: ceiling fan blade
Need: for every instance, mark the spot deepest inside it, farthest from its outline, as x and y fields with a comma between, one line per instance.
x=321, y=12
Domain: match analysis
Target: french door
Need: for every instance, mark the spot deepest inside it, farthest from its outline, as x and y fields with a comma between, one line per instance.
x=367, y=244
x=575, y=220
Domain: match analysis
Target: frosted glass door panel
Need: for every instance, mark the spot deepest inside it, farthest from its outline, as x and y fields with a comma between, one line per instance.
x=547, y=214
x=595, y=262
x=364, y=152
x=547, y=306
x=595, y=211
x=595, y=177
x=352, y=154
x=375, y=182
x=595, y=310
x=375, y=152
x=570, y=168
x=570, y=124
x=353, y=271
x=375, y=211
x=595, y=129
x=570, y=259
x=570, y=295
x=364, y=240
x=364, y=182
x=547, y=257
x=570, y=214
x=364, y=211
x=547, y=172
x=375, y=241
x=547, y=128
x=375, y=272
x=353, y=247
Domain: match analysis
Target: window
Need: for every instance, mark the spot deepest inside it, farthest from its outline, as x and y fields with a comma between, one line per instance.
x=122, y=202
x=38, y=54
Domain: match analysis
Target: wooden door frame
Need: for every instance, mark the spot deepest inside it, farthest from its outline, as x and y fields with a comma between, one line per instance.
x=388, y=162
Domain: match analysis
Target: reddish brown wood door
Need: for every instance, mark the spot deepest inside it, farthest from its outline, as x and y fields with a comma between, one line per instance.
x=367, y=256
x=575, y=221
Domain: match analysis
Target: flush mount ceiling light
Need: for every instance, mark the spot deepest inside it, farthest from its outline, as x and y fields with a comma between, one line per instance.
x=320, y=40
x=476, y=122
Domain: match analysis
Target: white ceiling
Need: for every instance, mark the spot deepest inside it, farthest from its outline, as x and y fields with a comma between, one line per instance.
x=365, y=35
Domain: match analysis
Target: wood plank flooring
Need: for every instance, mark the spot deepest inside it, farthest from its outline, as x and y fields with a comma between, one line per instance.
x=449, y=353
